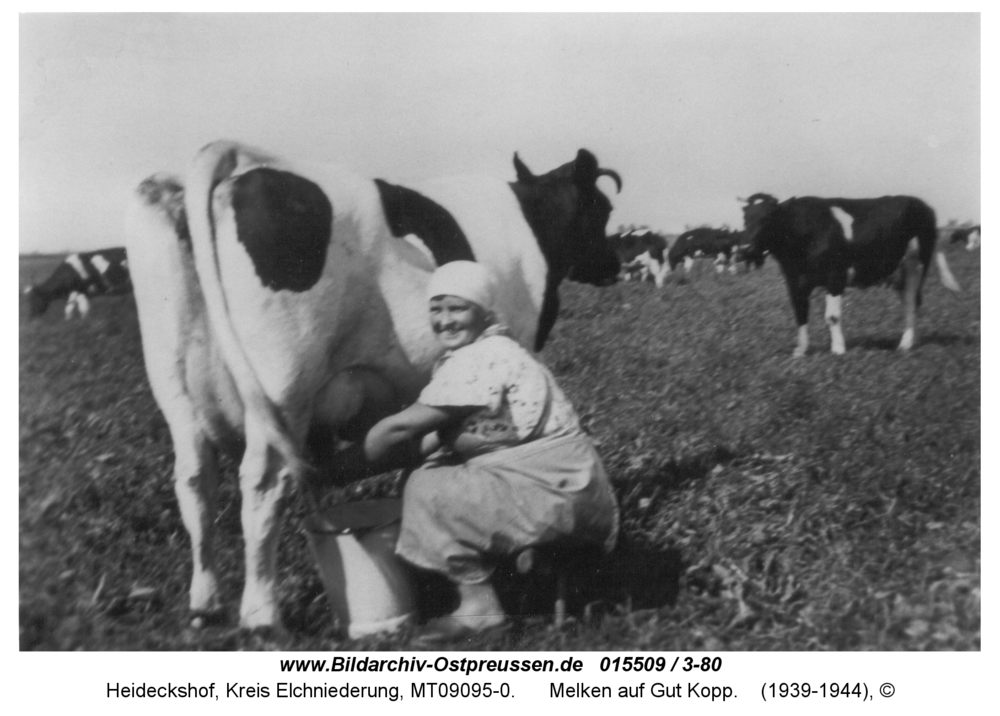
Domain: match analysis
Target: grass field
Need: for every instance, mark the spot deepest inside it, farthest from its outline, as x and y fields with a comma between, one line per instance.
x=829, y=503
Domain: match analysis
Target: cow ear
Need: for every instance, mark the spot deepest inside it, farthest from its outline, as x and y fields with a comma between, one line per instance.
x=760, y=197
x=524, y=174
x=585, y=167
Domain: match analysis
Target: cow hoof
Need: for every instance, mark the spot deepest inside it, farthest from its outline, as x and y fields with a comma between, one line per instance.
x=264, y=619
x=207, y=617
x=273, y=634
x=798, y=354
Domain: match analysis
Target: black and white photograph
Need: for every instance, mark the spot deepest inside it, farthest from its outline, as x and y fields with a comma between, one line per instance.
x=500, y=332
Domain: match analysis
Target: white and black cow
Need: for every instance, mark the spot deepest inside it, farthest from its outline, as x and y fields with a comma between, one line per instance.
x=641, y=252
x=969, y=235
x=703, y=243
x=79, y=277
x=282, y=314
x=836, y=243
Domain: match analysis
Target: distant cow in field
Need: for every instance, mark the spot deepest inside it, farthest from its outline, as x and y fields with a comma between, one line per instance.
x=641, y=252
x=703, y=243
x=970, y=236
x=740, y=259
x=78, y=278
x=282, y=310
x=836, y=243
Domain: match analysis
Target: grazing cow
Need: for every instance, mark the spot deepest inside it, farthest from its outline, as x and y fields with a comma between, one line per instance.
x=79, y=276
x=282, y=313
x=641, y=252
x=740, y=256
x=970, y=236
x=835, y=243
x=716, y=244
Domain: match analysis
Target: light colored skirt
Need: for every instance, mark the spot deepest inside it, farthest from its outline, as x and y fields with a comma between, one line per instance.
x=494, y=505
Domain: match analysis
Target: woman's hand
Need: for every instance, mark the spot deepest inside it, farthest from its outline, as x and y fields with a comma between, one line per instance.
x=430, y=443
x=395, y=437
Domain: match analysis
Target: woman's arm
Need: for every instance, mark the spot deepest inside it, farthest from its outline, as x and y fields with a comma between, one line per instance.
x=399, y=433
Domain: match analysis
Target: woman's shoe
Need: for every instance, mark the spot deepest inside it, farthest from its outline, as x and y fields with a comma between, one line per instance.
x=449, y=629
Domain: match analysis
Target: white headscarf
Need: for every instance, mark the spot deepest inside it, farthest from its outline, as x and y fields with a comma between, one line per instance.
x=465, y=279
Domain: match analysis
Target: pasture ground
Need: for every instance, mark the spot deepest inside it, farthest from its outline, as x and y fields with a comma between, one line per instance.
x=829, y=503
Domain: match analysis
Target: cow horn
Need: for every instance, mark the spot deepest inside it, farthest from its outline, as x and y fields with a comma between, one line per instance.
x=613, y=174
x=523, y=173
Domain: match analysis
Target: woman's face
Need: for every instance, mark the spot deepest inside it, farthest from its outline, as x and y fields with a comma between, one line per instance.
x=456, y=322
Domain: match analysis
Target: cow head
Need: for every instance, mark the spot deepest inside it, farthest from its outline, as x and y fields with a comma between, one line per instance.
x=37, y=303
x=569, y=215
x=757, y=213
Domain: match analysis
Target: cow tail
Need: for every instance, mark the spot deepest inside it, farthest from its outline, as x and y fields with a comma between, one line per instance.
x=210, y=167
x=947, y=277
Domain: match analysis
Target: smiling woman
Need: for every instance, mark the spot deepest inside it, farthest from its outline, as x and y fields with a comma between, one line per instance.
x=457, y=322
x=507, y=464
x=461, y=303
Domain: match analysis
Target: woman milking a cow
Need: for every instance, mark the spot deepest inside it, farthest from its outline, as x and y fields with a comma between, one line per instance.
x=507, y=465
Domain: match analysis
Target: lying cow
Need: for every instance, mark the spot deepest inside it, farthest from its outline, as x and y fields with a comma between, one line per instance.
x=78, y=278
x=703, y=243
x=970, y=236
x=835, y=243
x=641, y=253
x=282, y=314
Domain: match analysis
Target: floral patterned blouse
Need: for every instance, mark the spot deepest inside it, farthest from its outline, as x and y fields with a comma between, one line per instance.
x=519, y=397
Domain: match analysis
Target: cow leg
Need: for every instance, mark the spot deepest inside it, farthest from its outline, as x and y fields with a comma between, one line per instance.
x=70, y=310
x=688, y=263
x=265, y=486
x=912, y=277
x=196, y=481
x=659, y=273
x=83, y=304
x=833, y=321
x=802, y=346
x=647, y=267
x=549, y=313
x=77, y=304
x=800, y=304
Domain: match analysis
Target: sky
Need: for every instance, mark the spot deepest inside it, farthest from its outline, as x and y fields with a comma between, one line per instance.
x=693, y=111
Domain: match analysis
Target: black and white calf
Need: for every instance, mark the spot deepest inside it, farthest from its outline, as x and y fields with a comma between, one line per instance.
x=836, y=243
x=282, y=311
x=78, y=278
x=641, y=253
